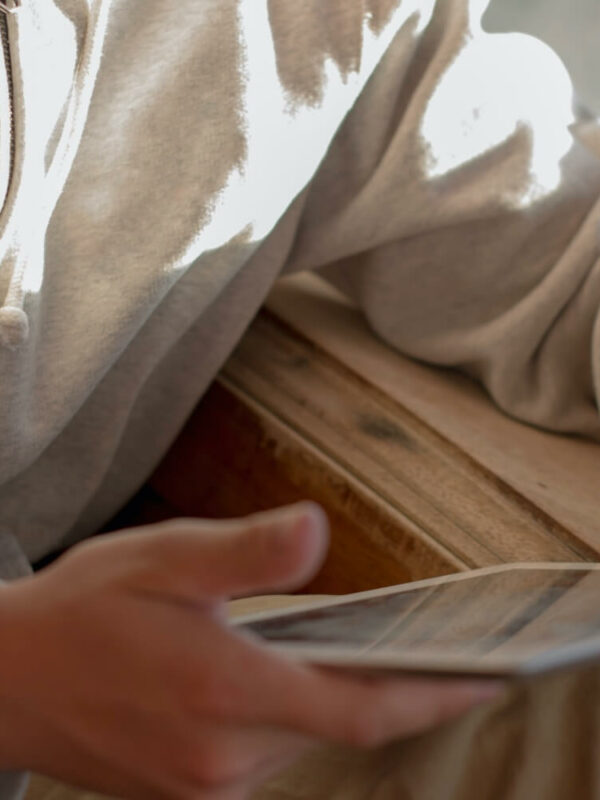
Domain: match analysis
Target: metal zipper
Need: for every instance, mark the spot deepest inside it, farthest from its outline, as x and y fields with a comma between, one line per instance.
x=6, y=8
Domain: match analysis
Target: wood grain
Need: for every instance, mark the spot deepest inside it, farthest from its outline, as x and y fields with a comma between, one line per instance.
x=240, y=458
x=420, y=477
x=557, y=475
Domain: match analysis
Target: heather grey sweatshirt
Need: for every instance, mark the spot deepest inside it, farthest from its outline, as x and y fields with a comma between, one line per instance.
x=162, y=163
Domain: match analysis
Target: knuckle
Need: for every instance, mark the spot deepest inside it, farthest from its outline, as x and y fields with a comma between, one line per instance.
x=160, y=544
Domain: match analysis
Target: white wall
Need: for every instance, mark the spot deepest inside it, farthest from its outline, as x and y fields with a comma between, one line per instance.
x=571, y=27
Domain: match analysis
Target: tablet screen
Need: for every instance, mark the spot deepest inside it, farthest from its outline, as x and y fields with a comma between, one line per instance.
x=502, y=621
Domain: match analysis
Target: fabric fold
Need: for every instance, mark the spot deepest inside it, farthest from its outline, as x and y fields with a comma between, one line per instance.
x=13, y=561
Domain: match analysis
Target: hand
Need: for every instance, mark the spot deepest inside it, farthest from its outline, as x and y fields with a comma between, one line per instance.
x=119, y=671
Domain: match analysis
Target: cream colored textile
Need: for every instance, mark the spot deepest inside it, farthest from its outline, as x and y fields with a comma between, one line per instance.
x=538, y=743
x=172, y=159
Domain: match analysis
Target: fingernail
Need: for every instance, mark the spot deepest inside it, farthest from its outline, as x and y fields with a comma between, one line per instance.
x=291, y=520
x=315, y=512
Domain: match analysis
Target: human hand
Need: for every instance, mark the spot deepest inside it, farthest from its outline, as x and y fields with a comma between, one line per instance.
x=120, y=673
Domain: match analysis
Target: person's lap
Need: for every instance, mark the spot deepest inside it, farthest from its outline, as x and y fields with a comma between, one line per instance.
x=538, y=742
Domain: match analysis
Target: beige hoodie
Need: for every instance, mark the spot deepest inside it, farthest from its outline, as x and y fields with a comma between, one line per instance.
x=167, y=161
x=161, y=163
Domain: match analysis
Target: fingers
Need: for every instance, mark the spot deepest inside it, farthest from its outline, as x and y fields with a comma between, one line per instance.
x=414, y=705
x=369, y=714
x=271, y=552
x=326, y=706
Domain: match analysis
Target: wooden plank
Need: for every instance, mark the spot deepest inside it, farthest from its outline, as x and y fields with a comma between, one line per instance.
x=389, y=450
x=555, y=476
x=236, y=457
x=286, y=421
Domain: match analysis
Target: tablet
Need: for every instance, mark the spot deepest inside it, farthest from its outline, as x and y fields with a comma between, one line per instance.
x=500, y=622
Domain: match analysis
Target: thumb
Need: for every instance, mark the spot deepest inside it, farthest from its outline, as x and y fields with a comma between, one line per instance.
x=273, y=551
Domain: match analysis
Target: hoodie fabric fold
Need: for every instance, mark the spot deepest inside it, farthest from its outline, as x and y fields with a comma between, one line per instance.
x=170, y=161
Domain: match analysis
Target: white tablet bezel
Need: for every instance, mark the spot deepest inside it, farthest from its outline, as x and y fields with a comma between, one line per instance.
x=328, y=656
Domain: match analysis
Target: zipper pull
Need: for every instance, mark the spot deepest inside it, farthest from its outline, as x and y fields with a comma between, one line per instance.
x=10, y=6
